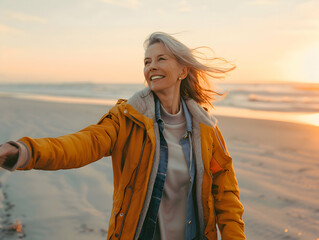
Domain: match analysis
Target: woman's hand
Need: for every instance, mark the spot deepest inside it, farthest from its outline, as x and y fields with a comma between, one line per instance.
x=8, y=154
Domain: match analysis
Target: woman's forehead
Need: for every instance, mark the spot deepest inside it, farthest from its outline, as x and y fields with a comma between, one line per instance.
x=156, y=49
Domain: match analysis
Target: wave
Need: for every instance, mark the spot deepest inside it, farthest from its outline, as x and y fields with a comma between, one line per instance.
x=282, y=99
x=293, y=89
x=266, y=97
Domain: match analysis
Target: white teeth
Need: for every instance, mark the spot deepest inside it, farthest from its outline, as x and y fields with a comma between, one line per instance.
x=156, y=77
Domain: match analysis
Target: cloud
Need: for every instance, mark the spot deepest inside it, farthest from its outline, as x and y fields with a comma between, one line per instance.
x=8, y=30
x=25, y=17
x=123, y=3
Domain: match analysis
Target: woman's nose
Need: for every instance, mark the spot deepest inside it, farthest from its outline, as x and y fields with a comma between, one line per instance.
x=153, y=66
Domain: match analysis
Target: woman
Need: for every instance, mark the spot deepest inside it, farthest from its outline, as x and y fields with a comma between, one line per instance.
x=173, y=176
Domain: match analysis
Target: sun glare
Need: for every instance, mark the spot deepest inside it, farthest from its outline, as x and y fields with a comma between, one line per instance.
x=302, y=65
x=312, y=119
x=309, y=65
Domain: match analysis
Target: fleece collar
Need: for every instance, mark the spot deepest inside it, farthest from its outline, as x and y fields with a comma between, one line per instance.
x=143, y=102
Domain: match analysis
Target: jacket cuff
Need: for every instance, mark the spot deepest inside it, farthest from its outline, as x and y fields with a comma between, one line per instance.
x=23, y=158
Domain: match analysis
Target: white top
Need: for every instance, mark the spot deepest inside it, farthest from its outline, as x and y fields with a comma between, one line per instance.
x=172, y=212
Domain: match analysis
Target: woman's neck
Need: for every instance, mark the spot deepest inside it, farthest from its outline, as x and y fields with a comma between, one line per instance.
x=171, y=103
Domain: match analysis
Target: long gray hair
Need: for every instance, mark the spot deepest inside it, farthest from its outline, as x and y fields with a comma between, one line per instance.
x=196, y=85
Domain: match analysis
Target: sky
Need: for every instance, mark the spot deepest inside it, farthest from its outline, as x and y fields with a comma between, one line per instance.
x=101, y=41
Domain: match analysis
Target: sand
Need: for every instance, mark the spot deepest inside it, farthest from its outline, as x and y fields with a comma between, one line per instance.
x=277, y=166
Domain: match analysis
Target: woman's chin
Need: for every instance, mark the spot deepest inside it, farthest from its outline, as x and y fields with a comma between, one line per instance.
x=155, y=86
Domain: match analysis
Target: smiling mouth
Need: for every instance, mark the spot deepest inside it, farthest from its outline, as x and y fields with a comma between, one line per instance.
x=156, y=77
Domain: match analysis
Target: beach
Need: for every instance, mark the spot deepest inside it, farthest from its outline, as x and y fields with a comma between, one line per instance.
x=276, y=163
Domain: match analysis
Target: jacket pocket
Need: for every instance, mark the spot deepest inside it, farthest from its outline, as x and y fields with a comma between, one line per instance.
x=214, y=166
x=220, y=160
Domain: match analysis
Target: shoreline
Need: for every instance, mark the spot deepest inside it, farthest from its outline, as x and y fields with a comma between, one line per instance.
x=305, y=118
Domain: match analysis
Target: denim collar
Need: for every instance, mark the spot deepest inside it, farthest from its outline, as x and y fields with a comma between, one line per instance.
x=187, y=114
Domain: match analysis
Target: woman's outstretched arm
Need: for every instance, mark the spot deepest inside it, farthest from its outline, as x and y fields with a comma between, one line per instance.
x=65, y=152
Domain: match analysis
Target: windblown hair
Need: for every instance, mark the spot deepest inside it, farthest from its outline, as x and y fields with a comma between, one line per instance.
x=196, y=85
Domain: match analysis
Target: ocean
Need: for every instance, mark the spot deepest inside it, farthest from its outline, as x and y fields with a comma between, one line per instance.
x=286, y=101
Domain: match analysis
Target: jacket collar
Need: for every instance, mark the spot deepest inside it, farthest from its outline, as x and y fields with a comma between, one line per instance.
x=143, y=102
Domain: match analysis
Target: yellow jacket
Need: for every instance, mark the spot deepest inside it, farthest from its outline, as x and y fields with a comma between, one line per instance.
x=129, y=133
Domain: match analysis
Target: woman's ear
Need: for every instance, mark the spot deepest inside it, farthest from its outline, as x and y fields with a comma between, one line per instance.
x=184, y=73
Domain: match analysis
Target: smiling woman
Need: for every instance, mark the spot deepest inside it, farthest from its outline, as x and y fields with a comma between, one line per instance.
x=173, y=175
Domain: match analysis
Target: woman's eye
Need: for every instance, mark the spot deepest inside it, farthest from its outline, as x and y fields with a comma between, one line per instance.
x=160, y=59
x=146, y=63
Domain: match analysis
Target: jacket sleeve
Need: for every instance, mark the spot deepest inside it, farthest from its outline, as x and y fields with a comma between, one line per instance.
x=228, y=207
x=74, y=150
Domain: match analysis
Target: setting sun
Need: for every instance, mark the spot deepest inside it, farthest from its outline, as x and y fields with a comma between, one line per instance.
x=302, y=65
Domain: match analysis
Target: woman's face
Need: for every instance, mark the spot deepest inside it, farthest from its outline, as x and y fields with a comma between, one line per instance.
x=162, y=71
